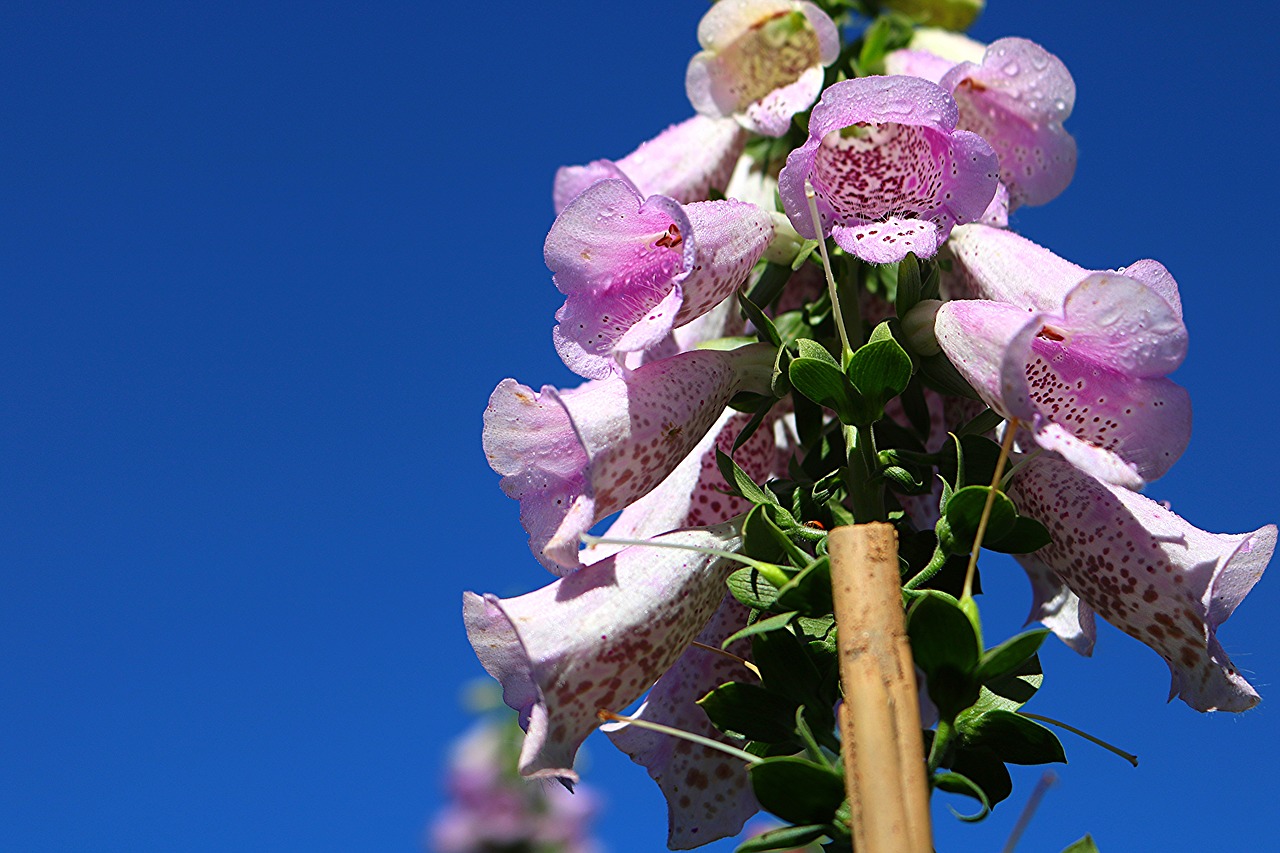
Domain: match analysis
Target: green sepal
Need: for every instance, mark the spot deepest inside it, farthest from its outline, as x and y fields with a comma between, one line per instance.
x=807, y=248
x=1028, y=535
x=1014, y=738
x=763, y=539
x=964, y=512
x=945, y=646
x=880, y=370
x=786, y=669
x=955, y=783
x=772, y=279
x=752, y=712
x=984, y=768
x=825, y=384
x=909, y=285
x=792, y=327
x=1084, y=845
x=941, y=375
x=742, y=485
x=771, y=623
x=764, y=326
x=750, y=587
x=1010, y=655
x=797, y=789
x=931, y=286
x=782, y=838
x=809, y=592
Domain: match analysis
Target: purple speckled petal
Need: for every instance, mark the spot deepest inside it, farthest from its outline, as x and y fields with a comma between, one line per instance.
x=686, y=161
x=1017, y=99
x=997, y=213
x=1124, y=427
x=992, y=263
x=1149, y=573
x=693, y=495
x=918, y=63
x=574, y=457
x=888, y=241
x=1058, y=608
x=762, y=61
x=708, y=792
x=1154, y=275
x=882, y=149
x=632, y=269
x=1121, y=322
x=597, y=638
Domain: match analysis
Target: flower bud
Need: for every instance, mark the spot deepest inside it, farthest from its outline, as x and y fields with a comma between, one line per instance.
x=917, y=327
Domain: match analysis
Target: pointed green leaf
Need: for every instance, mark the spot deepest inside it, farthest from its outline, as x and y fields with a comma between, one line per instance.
x=740, y=484
x=909, y=285
x=797, y=789
x=750, y=711
x=985, y=769
x=964, y=512
x=749, y=587
x=1084, y=845
x=1027, y=535
x=1014, y=738
x=783, y=838
x=764, y=326
x=809, y=592
x=825, y=384
x=772, y=623
x=1011, y=654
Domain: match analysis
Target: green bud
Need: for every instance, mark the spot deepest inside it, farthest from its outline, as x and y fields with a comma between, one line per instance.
x=917, y=327
x=950, y=14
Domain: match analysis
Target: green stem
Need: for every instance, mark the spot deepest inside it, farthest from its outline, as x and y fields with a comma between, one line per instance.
x=865, y=492
x=936, y=562
x=942, y=739
x=609, y=716
x=1127, y=756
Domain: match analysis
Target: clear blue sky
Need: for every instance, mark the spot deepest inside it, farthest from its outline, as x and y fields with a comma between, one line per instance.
x=262, y=264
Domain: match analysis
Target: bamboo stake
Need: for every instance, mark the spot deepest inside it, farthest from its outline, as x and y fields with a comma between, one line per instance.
x=880, y=719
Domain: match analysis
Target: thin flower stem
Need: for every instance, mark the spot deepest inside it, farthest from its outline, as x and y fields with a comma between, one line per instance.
x=1033, y=802
x=1127, y=756
x=610, y=717
x=826, y=266
x=1005, y=447
x=773, y=574
x=743, y=661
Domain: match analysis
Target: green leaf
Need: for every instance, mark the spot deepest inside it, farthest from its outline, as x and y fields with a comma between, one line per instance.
x=751, y=711
x=807, y=348
x=945, y=647
x=797, y=789
x=792, y=327
x=941, y=634
x=825, y=384
x=749, y=587
x=763, y=539
x=880, y=370
x=809, y=592
x=1010, y=692
x=909, y=285
x=955, y=783
x=772, y=623
x=985, y=769
x=773, y=278
x=964, y=512
x=941, y=375
x=783, y=838
x=1014, y=738
x=1011, y=654
x=740, y=483
x=1084, y=845
x=1028, y=535
x=764, y=326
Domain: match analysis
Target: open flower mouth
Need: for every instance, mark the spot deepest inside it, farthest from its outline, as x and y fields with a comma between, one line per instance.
x=771, y=54
x=870, y=171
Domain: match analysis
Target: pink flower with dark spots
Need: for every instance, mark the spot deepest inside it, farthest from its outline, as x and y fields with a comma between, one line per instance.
x=596, y=639
x=708, y=793
x=762, y=61
x=1146, y=571
x=575, y=457
x=1079, y=357
x=632, y=269
x=1017, y=99
x=686, y=161
x=890, y=172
